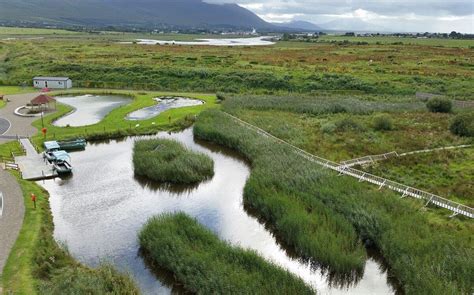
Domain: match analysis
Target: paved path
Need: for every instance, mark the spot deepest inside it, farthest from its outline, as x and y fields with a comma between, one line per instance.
x=4, y=125
x=19, y=125
x=33, y=166
x=12, y=217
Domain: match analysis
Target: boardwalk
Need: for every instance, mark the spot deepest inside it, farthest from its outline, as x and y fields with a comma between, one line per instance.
x=430, y=198
x=33, y=166
x=11, y=218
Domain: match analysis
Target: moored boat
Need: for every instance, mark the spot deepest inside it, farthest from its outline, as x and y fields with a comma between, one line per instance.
x=76, y=144
x=62, y=167
x=53, y=156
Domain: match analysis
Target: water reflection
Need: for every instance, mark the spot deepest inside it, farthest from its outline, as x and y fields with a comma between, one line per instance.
x=89, y=109
x=163, y=104
x=99, y=211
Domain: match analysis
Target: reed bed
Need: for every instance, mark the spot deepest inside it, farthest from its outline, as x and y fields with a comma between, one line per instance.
x=168, y=161
x=206, y=265
x=329, y=219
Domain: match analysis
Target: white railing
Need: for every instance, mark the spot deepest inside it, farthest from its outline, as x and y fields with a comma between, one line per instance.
x=369, y=159
x=405, y=190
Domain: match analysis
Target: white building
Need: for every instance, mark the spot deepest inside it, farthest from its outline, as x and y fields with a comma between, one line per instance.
x=52, y=82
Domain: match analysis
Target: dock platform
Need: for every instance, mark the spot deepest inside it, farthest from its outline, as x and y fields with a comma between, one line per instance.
x=33, y=166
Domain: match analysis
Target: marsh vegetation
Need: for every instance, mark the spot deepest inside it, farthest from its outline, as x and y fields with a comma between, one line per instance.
x=168, y=161
x=330, y=218
x=204, y=264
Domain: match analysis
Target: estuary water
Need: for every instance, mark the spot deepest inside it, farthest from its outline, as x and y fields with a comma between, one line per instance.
x=255, y=41
x=99, y=211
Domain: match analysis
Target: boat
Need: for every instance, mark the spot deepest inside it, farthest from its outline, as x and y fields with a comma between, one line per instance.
x=51, y=146
x=62, y=167
x=53, y=156
x=70, y=145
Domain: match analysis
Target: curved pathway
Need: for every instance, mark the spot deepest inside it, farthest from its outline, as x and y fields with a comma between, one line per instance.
x=20, y=126
x=12, y=218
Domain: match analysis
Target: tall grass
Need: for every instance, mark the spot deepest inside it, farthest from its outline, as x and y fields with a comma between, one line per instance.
x=168, y=161
x=204, y=264
x=329, y=218
x=317, y=105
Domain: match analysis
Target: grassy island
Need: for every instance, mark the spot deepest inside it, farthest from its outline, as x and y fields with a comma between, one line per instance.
x=204, y=264
x=168, y=161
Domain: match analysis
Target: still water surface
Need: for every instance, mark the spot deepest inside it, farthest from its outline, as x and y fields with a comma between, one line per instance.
x=163, y=104
x=254, y=41
x=89, y=109
x=101, y=208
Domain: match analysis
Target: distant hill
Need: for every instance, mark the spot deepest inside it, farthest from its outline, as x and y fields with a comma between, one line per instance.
x=188, y=13
x=300, y=25
x=351, y=25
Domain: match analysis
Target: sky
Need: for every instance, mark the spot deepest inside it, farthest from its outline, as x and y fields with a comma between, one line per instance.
x=392, y=15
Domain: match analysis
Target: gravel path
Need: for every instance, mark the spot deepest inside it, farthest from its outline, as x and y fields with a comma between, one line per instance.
x=12, y=217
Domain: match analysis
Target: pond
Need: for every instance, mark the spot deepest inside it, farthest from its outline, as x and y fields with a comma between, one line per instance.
x=163, y=104
x=89, y=109
x=99, y=211
x=255, y=41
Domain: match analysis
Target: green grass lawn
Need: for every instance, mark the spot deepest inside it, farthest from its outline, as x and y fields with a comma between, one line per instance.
x=114, y=124
x=8, y=90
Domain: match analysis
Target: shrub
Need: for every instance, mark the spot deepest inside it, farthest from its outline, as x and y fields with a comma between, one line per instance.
x=463, y=125
x=439, y=105
x=383, y=123
x=328, y=128
x=206, y=265
x=348, y=124
x=168, y=161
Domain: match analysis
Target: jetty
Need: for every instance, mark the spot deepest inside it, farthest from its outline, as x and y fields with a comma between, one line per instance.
x=33, y=165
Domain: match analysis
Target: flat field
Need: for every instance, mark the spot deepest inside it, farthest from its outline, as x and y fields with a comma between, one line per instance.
x=100, y=60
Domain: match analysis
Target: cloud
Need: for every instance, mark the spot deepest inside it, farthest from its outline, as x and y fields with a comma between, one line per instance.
x=407, y=15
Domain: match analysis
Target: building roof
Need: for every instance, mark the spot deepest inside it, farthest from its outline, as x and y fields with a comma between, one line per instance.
x=52, y=78
x=42, y=99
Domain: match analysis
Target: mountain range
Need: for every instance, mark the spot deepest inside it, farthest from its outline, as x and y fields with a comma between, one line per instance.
x=140, y=13
x=148, y=14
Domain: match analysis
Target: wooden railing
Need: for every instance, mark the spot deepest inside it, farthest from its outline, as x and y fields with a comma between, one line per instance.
x=405, y=190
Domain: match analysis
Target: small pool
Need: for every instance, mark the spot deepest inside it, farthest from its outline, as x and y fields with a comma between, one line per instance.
x=164, y=104
x=89, y=109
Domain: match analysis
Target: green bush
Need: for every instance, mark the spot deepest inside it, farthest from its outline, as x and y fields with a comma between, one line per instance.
x=328, y=128
x=206, y=265
x=383, y=123
x=463, y=124
x=439, y=105
x=168, y=161
x=348, y=124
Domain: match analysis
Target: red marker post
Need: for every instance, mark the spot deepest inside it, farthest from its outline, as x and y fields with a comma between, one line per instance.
x=33, y=199
x=44, y=131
